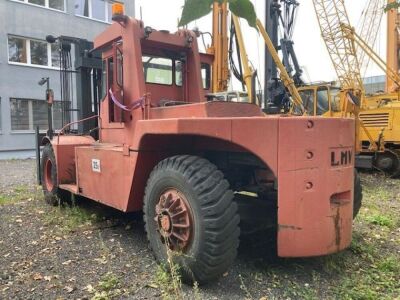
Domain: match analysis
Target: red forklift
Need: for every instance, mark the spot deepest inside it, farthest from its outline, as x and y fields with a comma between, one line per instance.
x=165, y=149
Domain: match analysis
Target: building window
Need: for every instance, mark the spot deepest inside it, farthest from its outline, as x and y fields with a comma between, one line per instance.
x=53, y=4
x=39, y=53
x=32, y=52
x=94, y=9
x=57, y=4
x=26, y=114
x=17, y=50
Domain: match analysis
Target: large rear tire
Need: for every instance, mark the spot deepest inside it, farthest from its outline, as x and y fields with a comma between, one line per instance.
x=52, y=194
x=358, y=195
x=190, y=218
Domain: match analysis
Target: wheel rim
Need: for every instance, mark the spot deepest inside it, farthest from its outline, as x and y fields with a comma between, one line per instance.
x=174, y=219
x=48, y=167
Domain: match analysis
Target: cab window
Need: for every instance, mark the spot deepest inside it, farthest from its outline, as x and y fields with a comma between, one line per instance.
x=120, y=63
x=157, y=70
x=335, y=100
x=205, y=75
x=322, y=100
x=178, y=72
x=307, y=96
x=103, y=80
x=106, y=76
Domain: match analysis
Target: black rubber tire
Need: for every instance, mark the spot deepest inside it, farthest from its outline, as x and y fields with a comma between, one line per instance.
x=394, y=171
x=55, y=196
x=213, y=247
x=358, y=195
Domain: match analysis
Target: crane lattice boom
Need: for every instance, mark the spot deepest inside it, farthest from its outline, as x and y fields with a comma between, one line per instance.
x=370, y=26
x=331, y=15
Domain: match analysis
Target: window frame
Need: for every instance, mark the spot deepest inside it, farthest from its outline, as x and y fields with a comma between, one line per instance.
x=46, y=5
x=28, y=54
x=90, y=12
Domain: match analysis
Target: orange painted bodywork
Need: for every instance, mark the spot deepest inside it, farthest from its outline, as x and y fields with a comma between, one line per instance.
x=114, y=170
x=393, y=46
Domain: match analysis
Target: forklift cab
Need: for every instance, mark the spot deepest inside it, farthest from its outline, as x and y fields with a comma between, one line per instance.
x=320, y=100
x=164, y=70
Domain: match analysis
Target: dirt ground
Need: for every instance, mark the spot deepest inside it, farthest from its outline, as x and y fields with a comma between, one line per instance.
x=93, y=252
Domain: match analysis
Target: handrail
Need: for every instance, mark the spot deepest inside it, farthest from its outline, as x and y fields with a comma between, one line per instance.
x=72, y=123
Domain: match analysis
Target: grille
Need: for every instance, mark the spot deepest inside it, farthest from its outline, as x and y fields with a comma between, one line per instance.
x=375, y=120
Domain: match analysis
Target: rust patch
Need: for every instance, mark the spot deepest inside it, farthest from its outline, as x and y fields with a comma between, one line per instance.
x=288, y=227
x=336, y=222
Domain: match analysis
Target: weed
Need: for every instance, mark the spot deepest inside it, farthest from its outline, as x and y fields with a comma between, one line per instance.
x=362, y=247
x=389, y=264
x=175, y=275
x=168, y=277
x=244, y=288
x=107, y=288
x=167, y=285
x=108, y=282
x=380, y=220
x=196, y=291
x=69, y=219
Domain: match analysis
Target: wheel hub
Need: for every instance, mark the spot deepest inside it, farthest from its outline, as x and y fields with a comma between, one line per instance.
x=165, y=223
x=174, y=220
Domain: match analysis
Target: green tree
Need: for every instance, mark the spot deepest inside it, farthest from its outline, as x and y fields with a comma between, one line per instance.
x=195, y=9
x=392, y=5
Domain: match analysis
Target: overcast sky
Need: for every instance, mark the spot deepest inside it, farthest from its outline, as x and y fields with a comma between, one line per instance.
x=309, y=46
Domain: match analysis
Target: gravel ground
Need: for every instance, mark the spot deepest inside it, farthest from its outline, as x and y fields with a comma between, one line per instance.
x=94, y=252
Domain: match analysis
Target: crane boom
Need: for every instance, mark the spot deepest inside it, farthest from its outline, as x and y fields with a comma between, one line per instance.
x=331, y=14
x=342, y=42
x=369, y=29
x=368, y=51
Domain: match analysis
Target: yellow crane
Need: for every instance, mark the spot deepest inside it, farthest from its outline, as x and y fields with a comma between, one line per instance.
x=378, y=129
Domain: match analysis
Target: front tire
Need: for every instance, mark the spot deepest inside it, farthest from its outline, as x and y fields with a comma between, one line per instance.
x=52, y=194
x=190, y=218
